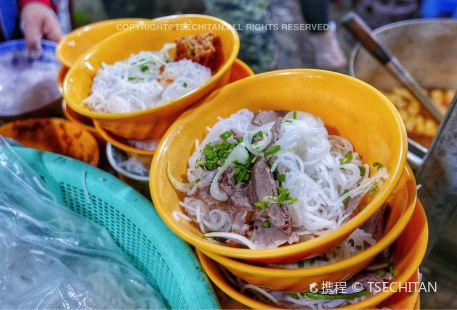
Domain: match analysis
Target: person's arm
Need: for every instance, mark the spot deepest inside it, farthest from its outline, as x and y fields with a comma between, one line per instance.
x=38, y=20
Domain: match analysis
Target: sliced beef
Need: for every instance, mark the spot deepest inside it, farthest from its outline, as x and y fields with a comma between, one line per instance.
x=204, y=49
x=267, y=116
x=262, y=183
x=276, y=130
x=202, y=192
x=238, y=192
x=377, y=223
x=268, y=237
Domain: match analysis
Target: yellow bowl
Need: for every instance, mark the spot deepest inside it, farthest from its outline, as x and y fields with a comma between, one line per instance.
x=240, y=70
x=348, y=107
x=407, y=256
x=54, y=135
x=83, y=122
x=79, y=41
x=61, y=76
x=401, y=204
x=149, y=123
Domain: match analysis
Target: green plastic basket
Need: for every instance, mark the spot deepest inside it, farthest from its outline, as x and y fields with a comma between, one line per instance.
x=132, y=221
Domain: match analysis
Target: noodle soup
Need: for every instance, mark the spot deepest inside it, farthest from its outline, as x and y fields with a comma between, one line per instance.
x=271, y=178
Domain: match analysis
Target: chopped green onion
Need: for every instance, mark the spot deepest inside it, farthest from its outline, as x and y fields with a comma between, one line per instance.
x=185, y=84
x=362, y=170
x=227, y=134
x=284, y=196
x=294, y=115
x=377, y=164
x=301, y=264
x=258, y=134
x=281, y=177
x=131, y=78
x=347, y=158
x=144, y=68
x=266, y=224
x=262, y=205
x=272, y=150
x=373, y=190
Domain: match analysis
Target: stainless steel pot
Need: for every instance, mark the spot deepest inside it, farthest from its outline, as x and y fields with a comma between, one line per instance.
x=427, y=48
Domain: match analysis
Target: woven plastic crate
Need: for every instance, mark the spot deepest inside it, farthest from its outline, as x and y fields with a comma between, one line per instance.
x=132, y=221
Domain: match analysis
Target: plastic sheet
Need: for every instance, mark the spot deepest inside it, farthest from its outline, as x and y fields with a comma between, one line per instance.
x=53, y=258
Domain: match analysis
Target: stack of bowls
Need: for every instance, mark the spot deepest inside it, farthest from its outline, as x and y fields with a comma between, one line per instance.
x=349, y=108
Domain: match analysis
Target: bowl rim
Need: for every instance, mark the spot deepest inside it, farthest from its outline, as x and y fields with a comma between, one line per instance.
x=76, y=33
x=109, y=155
x=208, y=264
x=119, y=144
x=284, y=251
x=116, y=116
x=383, y=243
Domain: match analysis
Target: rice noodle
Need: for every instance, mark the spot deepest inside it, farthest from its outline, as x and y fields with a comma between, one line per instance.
x=232, y=236
x=146, y=79
x=322, y=172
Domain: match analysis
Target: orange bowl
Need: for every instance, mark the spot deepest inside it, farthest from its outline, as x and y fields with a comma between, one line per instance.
x=401, y=204
x=240, y=70
x=83, y=122
x=79, y=41
x=150, y=123
x=341, y=102
x=54, y=135
x=403, y=300
x=407, y=256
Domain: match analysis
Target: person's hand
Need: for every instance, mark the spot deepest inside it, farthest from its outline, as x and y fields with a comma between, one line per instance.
x=38, y=21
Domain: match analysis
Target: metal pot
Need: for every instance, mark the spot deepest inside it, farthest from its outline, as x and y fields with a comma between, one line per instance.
x=425, y=47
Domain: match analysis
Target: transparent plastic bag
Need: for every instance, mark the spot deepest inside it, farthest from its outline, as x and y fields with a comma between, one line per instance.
x=52, y=258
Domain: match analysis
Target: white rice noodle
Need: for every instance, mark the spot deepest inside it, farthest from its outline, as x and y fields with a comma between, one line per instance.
x=207, y=220
x=232, y=236
x=179, y=215
x=134, y=166
x=146, y=79
x=260, y=290
x=353, y=245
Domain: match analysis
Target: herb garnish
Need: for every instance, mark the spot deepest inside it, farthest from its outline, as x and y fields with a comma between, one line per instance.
x=144, y=68
x=377, y=164
x=225, y=135
x=347, y=158
x=262, y=205
x=215, y=155
x=266, y=224
x=362, y=170
x=272, y=150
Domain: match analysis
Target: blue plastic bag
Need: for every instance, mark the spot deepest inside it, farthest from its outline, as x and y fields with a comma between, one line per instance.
x=52, y=258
